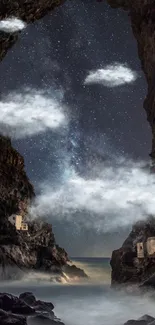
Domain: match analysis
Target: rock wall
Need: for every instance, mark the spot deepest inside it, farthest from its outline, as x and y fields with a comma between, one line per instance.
x=16, y=191
x=126, y=268
x=35, y=249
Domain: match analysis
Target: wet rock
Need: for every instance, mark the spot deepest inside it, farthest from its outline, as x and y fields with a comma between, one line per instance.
x=13, y=304
x=42, y=307
x=37, y=312
x=72, y=271
x=136, y=322
x=11, y=319
x=152, y=323
x=149, y=319
x=43, y=320
x=28, y=298
x=126, y=267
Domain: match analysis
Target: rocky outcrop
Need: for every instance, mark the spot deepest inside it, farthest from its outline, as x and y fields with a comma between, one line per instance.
x=26, y=310
x=16, y=191
x=144, y=320
x=126, y=267
x=142, y=15
x=35, y=251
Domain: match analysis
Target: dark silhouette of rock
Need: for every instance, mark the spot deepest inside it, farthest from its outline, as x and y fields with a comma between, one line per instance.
x=136, y=322
x=26, y=310
x=142, y=17
x=72, y=271
x=38, y=305
x=144, y=320
x=43, y=320
x=15, y=305
x=10, y=319
x=147, y=318
x=28, y=298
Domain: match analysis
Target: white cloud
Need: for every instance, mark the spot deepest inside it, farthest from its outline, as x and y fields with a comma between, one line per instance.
x=111, y=198
x=11, y=25
x=31, y=112
x=111, y=75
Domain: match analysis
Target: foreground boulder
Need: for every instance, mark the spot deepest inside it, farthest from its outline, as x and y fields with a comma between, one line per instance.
x=15, y=305
x=11, y=319
x=144, y=320
x=26, y=310
x=37, y=305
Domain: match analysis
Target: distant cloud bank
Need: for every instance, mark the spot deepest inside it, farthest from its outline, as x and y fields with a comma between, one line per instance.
x=12, y=25
x=111, y=75
x=114, y=196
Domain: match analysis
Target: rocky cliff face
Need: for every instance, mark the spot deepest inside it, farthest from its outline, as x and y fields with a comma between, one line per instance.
x=126, y=267
x=35, y=250
x=16, y=191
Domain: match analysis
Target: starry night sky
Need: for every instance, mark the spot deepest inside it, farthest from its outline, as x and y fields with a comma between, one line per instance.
x=58, y=51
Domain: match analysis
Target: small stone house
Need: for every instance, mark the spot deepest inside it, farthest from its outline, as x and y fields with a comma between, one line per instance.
x=17, y=221
x=146, y=249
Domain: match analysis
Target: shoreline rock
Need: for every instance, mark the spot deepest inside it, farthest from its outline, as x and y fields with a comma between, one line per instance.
x=144, y=320
x=26, y=310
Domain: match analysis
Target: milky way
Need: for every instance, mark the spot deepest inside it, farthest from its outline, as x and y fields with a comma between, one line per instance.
x=58, y=52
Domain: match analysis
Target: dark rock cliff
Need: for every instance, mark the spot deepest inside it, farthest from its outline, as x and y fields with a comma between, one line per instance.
x=125, y=268
x=16, y=191
x=26, y=310
x=35, y=249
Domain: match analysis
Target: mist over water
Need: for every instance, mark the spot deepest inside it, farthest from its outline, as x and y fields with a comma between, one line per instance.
x=93, y=303
x=97, y=269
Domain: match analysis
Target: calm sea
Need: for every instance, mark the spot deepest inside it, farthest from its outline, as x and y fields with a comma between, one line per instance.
x=92, y=302
x=97, y=268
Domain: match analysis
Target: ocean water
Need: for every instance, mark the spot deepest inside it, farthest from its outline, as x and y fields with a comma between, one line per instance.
x=91, y=302
x=97, y=268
